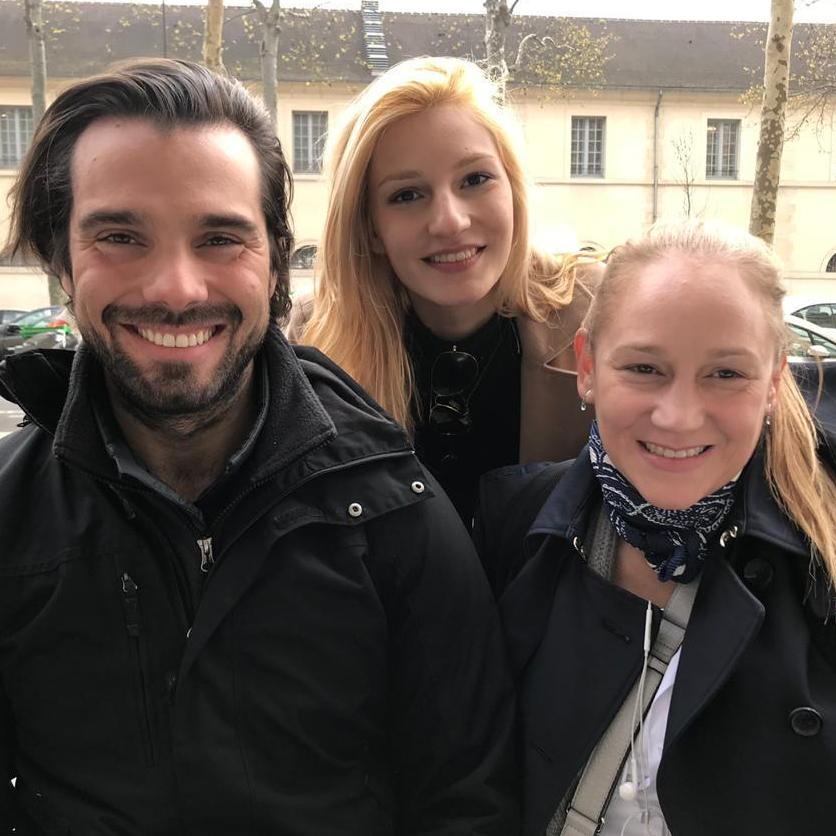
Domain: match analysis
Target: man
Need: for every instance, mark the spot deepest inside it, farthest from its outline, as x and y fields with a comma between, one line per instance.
x=231, y=600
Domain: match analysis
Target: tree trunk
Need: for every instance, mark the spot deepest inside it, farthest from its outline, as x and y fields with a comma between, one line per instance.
x=497, y=21
x=773, y=114
x=213, y=35
x=269, y=53
x=33, y=15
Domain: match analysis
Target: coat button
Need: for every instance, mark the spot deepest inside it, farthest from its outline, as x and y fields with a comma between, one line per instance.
x=758, y=574
x=355, y=509
x=805, y=721
x=417, y=487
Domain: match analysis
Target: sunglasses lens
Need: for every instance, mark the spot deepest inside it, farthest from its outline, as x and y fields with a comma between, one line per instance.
x=449, y=418
x=453, y=372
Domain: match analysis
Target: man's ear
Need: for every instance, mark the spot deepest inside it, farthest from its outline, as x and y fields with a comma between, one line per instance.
x=66, y=283
x=584, y=363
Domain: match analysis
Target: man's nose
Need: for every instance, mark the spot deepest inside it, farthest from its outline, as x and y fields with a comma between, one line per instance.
x=450, y=215
x=177, y=279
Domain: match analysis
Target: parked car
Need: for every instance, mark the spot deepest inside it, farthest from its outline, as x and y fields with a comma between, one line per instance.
x=59, y=332
x=16, y=332
x=815, y=310
x=10, y=316
x=808, y=341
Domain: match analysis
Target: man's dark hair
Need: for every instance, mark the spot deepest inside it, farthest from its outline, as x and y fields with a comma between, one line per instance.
x=171, y=94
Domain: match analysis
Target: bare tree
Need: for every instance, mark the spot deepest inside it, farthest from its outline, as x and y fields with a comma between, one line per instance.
x=213, y=35
x=33, y=15
x=270, y=22
x=773, y=117
x=568, y=52
x=683, y=151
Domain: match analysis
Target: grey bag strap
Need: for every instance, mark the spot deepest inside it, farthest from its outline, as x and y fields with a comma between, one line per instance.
x=585, y=814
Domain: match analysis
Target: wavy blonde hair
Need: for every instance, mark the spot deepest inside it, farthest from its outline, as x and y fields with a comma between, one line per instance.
x=799, y=481
x=359, y=306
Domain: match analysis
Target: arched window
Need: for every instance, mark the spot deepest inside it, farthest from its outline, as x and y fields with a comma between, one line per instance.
x=831, y=264
x=303, y=258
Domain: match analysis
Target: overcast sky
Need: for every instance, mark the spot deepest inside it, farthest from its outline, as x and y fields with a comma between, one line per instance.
x=812, y=11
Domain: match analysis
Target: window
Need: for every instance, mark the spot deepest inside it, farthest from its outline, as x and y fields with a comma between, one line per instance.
x=722, y=146
x=303, y=258
x=823, y=314
x=801, y=341
x=309, y=130
x=15, y=133
x=831, y=264
x=588, y=146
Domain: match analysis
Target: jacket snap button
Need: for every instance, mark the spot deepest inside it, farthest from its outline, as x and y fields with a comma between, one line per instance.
x=758, y=574
x=805, y=721
x=417, y=487
x=355, y=509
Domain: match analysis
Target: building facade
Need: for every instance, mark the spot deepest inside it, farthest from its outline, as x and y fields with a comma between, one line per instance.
x=666, y=134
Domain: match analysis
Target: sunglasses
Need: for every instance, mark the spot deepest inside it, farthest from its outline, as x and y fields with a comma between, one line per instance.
x=452, y=379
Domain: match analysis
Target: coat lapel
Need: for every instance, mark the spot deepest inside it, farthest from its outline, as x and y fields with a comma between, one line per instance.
x=717, y=635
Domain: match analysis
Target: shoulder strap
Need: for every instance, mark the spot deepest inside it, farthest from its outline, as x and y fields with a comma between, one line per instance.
x=585, y=814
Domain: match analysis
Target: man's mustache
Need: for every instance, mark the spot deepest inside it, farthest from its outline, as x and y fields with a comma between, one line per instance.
x=163, y=315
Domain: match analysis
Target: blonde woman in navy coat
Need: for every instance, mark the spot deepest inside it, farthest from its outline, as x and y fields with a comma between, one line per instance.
x=704, y=467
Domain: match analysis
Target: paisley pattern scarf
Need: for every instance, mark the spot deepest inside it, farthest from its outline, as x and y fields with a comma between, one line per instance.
x=674, y=542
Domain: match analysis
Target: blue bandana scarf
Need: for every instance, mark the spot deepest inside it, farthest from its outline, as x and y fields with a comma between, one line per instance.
x=674, y=542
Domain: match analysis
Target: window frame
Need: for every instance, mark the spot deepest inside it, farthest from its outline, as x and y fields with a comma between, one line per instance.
x=19, y=134
x=715, y=130
x=583, y=171
x=311, y=161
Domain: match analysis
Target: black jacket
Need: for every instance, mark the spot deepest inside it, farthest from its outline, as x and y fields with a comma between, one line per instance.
x=343, y=673
x=750, y=746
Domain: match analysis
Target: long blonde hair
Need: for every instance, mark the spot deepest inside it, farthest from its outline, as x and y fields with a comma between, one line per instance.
x=797, y=478
x=359, y=306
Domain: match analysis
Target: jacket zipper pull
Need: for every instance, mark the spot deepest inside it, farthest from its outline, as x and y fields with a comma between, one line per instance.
x=129, y=593
x=207, y=559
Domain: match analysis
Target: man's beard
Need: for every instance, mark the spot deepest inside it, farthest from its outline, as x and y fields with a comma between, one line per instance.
x=169, y=398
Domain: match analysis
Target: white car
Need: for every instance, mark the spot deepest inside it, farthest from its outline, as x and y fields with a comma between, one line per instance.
x=808, y=341
x=814, y=310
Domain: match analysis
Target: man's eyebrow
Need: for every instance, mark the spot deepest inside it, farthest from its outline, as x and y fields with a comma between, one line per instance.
x=231, y=221
x=103, y=217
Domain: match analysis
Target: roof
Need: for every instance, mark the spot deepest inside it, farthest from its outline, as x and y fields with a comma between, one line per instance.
x=322, y=45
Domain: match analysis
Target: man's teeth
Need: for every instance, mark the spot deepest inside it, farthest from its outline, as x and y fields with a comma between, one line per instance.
x=176, y=340
x=687, y=453
x=461, y=255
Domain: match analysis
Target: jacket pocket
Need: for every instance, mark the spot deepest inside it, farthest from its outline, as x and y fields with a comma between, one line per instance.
x=139, y=663
x=41, y=818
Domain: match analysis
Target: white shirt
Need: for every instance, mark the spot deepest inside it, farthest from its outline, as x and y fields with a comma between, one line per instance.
x=643, y=816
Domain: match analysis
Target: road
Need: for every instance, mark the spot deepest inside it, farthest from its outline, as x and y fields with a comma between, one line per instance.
x=10, y=417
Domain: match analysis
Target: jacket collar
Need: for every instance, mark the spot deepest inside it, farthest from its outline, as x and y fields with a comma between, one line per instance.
x=565, y=513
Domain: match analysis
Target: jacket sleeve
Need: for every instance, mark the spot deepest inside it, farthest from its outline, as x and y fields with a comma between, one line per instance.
x=452, y=705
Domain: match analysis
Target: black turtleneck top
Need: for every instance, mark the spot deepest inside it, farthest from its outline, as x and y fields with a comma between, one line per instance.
x=492, y=404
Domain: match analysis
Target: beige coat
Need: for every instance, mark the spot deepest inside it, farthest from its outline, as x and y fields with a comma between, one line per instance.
x=552, y=427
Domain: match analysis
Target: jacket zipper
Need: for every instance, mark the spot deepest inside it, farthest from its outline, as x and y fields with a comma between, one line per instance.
x=133, y=623
x=207, y=558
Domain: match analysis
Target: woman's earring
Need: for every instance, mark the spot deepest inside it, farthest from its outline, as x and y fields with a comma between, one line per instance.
x=585, y=400
x=767, y=419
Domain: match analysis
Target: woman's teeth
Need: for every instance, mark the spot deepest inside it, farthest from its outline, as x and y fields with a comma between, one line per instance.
x=176, y=340
x=461, y=255
x=668, y=453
